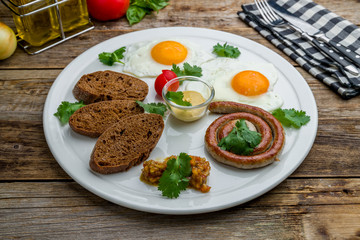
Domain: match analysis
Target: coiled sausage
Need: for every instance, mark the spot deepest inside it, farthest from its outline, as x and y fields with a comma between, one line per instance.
x=272, y=132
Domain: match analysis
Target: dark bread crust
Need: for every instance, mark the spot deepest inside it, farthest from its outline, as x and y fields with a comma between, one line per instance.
x=109, y=85
x=245, y=162
x=93, y=119
x=126, y=143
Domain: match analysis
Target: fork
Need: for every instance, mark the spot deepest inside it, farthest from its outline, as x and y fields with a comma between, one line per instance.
x=274, y=20
x=269, y=16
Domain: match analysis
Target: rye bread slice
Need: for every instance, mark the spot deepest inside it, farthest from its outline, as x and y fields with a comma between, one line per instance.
x=109, y=85
x=126, y=143
x=93, y=119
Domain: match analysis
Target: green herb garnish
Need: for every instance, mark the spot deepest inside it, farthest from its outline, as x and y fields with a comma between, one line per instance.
x=177, y=97
x=175, y=177
x=138, y=9
x=66, y=109
x=226, y=51
x=109, y=59
x=158, y=108
x=291, y=117
x=240, y=140
x=187, y=71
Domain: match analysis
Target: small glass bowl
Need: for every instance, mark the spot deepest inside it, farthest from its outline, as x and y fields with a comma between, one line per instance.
x=189, y=83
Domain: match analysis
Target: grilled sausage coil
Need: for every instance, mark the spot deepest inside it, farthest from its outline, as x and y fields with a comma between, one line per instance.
x=271, y=130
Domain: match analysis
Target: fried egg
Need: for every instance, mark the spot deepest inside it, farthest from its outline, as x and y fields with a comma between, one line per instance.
x=147, y=59
x=248, y=83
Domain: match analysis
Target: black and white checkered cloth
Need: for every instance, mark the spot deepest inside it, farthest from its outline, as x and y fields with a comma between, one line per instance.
x=298, y=49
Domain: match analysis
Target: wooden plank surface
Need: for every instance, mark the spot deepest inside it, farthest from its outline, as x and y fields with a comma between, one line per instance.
x=297, y=209
x=38, y=200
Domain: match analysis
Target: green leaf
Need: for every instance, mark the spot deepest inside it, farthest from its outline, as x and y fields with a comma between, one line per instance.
x=192, y=70
x=154, y=5
x=109, y=59
x=185, y=166
x=138, y=9
x=240, y=140
x=175, y=177
x=66, y=109
x=226, y=51
x=177, y=97
x=106, y=58
x=291, y=117
x=187, y=71
x=251, y=137
x=158, y=108
x=135, y=14
x=176, y=69
x=119, y=53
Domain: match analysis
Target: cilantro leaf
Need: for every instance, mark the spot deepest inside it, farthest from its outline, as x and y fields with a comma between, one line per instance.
x=291, y=117
x=177, y=97
x=253, y=138
x=226, y=51
x=66, y=109
x=188, y=70
x=192, y=70
x=109, y=58
x=185, y=166
x=175, y=177
x=240, y=140
x=158, y=108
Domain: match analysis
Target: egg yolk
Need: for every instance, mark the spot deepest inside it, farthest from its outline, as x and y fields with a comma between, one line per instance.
x=250, y=83
x=169, y=52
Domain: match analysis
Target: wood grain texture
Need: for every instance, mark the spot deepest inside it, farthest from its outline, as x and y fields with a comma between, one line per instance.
x=297, y=209
x=38, y=200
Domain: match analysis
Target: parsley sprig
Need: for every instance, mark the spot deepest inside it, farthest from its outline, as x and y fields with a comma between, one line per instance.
x=175, y=178
x=109, y=58
x=291, y=117
x=240, y=140
x=226, y=50
x=66, y=109
x=188, y=70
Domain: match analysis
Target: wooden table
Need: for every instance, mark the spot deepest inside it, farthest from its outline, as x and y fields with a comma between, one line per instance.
x=38, y=200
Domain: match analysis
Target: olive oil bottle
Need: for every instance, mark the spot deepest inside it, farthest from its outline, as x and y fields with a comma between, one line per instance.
x=36, y=28
x=73, y=14
x=40, y=21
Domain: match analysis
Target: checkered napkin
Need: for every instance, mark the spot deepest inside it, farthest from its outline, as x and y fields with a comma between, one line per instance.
x=298, y=49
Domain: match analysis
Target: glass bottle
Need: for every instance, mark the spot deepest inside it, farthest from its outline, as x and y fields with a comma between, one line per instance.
x=38, y=28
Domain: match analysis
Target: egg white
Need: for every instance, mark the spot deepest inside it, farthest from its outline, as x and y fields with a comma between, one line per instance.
x=138, y=60
x=220, y=71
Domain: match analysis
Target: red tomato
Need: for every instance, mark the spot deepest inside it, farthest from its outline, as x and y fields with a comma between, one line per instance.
x=162, y=79
x=104, y=10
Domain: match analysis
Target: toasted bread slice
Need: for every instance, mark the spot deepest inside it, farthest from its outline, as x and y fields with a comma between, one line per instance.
x=126, y=143
x=109, y=85
x=93, y=119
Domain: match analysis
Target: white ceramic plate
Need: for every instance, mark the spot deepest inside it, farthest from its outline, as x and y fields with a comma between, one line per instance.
x=229, y=186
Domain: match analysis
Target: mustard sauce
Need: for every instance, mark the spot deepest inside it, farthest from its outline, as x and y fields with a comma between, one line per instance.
x=188, y=115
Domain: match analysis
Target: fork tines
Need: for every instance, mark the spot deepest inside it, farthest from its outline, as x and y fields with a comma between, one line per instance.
x=266, y=12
